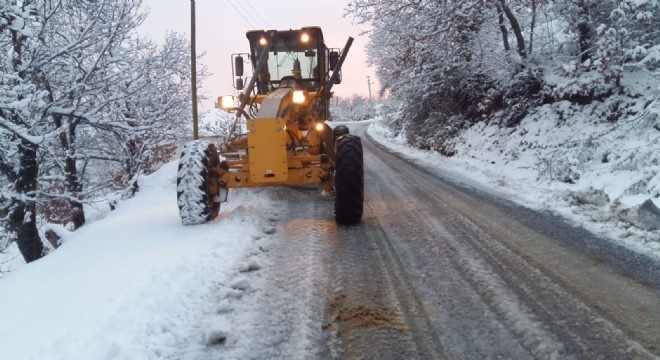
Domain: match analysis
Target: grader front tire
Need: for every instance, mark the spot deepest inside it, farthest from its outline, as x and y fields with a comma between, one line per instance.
x=196, y=203
x=349, y=180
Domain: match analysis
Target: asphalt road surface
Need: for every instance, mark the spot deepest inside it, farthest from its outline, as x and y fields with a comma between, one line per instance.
x=440, y=270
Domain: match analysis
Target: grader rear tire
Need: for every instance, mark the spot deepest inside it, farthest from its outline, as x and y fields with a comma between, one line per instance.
x=349, y=180
x=196, y=205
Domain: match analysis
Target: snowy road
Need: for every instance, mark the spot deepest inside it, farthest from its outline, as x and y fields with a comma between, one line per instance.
x=442, y=270
x=437, y=269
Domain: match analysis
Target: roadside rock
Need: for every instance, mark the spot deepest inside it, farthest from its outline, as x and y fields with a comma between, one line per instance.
x=591, y=197
x=53, y=238
x=645, y=216
x=636, y=188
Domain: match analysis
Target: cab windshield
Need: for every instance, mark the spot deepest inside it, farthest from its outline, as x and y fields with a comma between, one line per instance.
x=290, y=56
x=297, y=64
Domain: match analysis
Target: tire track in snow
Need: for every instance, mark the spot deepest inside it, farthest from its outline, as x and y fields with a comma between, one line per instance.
x=458, y=245
x=287, y=306
x=374, y=312
x=581, y=329
x=464, y=320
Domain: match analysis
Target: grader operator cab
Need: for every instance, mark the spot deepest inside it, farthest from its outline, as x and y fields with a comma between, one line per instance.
x=284, y=108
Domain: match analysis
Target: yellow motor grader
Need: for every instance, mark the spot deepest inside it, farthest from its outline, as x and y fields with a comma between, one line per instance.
x=280, y=135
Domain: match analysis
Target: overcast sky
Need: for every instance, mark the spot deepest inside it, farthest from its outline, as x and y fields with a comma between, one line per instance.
x=222, y=24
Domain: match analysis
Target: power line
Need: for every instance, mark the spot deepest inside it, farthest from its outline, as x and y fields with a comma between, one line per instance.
x=256, y=12
x=246, y=13
x=246, y=22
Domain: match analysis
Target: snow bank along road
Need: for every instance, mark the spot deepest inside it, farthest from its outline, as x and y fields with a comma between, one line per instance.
x=441, y=270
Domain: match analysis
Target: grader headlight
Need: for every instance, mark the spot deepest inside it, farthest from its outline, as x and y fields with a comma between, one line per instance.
x=299, y=97
x=318, y=126
x=227, y=102
x=304, y=38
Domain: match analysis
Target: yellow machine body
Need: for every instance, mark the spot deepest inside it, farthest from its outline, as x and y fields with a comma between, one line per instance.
x=279, y=135
x=273, y=155
x=287, y=141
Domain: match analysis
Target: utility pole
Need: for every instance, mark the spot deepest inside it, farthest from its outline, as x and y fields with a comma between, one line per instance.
x=193, y=69
x=369, y=82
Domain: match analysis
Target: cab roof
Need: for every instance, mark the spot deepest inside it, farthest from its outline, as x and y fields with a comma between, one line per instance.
x=314, y=31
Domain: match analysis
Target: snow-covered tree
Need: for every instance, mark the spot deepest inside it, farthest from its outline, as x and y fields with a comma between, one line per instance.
x=153, y=106
x=78, y=86
x=353, y=108
x=629, y=37
x=449, y=63
x=24, y=126
x=78, y=66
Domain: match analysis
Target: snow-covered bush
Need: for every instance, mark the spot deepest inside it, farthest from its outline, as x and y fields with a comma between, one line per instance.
x=216, y=122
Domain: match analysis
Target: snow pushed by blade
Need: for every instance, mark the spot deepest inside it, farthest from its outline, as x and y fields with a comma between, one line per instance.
x=138, y=284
